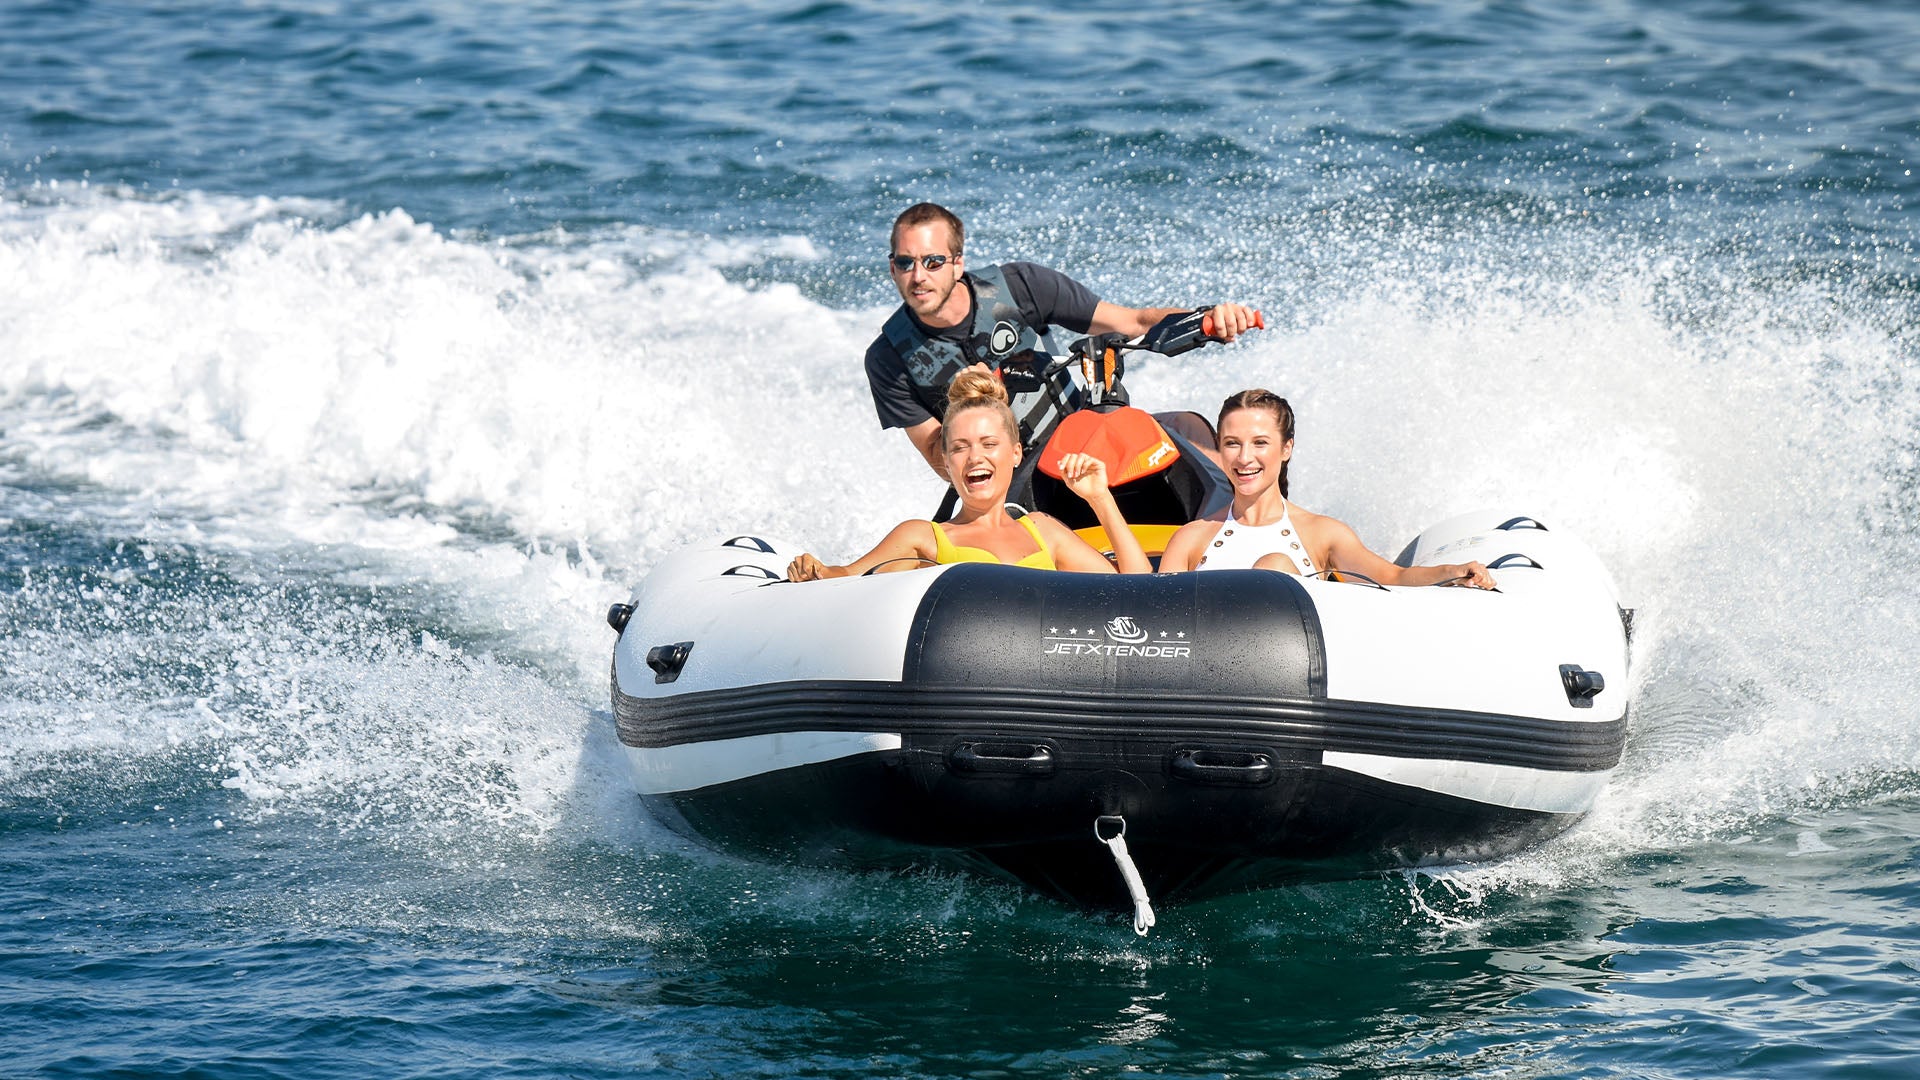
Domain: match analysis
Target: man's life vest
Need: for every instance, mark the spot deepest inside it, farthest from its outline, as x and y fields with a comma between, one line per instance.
x=999, y=338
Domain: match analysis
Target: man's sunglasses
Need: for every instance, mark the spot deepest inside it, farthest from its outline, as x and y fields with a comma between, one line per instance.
x=904, y=263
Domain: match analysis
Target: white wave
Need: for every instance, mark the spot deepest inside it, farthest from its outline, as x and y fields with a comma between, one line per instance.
x=506, y=430
x=552, y=387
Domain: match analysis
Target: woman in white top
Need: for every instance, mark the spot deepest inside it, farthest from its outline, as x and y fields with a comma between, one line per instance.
x=1263, y=530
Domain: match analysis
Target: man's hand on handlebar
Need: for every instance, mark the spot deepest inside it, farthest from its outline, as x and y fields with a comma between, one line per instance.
x=1228, y=321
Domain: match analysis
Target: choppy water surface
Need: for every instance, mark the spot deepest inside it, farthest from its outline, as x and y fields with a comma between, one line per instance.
x=354, y=357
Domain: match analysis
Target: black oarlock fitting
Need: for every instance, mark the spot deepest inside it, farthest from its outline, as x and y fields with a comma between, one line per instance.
x=617, y=617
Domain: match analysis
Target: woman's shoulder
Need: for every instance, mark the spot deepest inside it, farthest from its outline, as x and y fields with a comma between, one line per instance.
x=1211, y=521
x=1305, y=517
x=1047, y=525
x=1052, y=533
x=1202, y=527
x=916, y=531
x=1323, y=527
x=1194, y=534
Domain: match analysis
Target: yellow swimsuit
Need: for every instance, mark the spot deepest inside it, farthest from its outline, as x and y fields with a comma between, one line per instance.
x=946, y=551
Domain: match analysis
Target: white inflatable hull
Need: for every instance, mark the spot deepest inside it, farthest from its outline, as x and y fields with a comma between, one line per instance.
x=1251, y=728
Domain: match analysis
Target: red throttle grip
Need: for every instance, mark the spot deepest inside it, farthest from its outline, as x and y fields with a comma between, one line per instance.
x=1206, y=323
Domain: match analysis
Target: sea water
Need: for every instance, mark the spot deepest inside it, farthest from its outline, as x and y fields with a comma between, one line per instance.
x=354, y=357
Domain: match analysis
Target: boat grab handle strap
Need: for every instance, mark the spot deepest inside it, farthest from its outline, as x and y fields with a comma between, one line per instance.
x=1342, y=576
x=1117, y=844
x=875, y=568
x=1512, y=557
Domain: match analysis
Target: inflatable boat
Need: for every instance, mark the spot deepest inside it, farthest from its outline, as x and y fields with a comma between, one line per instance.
x=1120, y=740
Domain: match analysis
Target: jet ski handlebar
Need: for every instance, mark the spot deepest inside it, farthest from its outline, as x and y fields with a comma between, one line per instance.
x=1182, y=331
x=1100, y=360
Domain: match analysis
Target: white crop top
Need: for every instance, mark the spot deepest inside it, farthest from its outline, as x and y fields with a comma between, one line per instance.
x=1238, y=547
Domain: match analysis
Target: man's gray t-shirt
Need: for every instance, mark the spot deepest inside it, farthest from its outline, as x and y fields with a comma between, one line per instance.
x=1045, y=298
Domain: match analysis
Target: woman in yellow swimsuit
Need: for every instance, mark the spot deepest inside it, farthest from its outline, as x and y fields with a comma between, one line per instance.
x=982, y=449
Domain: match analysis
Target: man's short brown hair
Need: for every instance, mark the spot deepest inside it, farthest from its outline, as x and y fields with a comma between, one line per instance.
x=927, y=213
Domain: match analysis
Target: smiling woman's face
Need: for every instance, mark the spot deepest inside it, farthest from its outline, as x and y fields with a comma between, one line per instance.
x=981, y=454
x=1252, y=448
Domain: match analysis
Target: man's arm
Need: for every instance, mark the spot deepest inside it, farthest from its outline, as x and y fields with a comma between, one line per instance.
x=897, y=406
x=1047, y=296
x=1229, y=320
x=925, y=437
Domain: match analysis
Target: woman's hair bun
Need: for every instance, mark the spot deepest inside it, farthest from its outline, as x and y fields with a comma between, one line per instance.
x=974, y=387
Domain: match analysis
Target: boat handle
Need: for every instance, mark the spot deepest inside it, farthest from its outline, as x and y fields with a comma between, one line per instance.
x=1206, y=766
x=1522, y=522
x=1505, y=559
x=1343, y=576
x=1027, y=759
x=751, y=570
x=751, y=543
x=875, y=568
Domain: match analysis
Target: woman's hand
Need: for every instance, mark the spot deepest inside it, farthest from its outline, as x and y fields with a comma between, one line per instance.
x=805, y=567
x=1085, y=476
x=1473, y=573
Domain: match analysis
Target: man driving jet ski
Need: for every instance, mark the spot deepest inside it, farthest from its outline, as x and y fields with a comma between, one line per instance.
x=951, y=317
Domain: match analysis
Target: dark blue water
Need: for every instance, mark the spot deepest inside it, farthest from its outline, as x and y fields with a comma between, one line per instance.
x=354, y=357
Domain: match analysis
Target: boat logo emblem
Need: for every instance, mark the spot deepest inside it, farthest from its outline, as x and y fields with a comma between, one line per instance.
x=1124, y=637
x=1005, y=338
